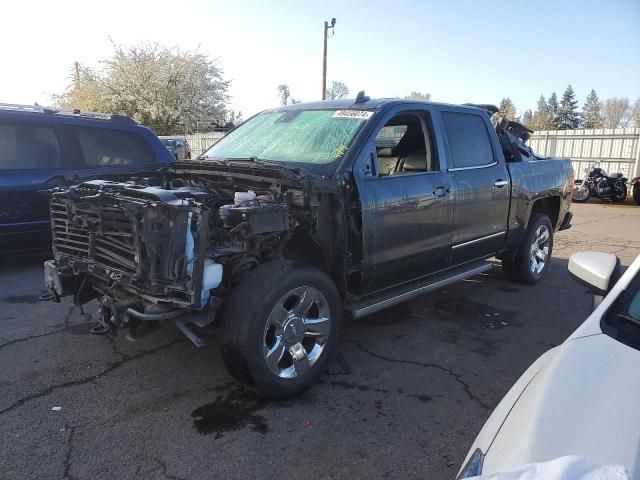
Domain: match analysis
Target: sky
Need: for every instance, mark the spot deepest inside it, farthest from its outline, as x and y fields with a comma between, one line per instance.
x=458, y=51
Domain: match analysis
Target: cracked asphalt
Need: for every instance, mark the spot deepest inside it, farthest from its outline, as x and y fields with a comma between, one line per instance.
x=403, y=398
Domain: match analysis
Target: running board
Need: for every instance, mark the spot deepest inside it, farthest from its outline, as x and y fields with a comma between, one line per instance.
x=373, y=305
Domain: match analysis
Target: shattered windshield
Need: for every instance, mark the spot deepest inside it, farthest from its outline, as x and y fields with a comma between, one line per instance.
x=318, y=137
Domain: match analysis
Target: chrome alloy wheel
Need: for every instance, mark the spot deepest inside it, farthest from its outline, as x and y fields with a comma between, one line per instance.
x=296, y=332
x=539, y=255
x=580, y=192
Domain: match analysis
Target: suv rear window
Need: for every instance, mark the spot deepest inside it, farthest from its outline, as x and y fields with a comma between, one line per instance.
x=28, y=147
x=101, y=147
x=468, y=140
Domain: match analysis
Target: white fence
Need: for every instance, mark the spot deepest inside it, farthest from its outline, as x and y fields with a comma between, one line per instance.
x=200, y=142
x=615, y=149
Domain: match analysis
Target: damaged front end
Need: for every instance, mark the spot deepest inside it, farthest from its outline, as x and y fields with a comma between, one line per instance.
x=157, y=248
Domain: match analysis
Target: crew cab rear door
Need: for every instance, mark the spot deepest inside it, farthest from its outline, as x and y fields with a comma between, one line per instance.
x=405, y=199
x=480, y=183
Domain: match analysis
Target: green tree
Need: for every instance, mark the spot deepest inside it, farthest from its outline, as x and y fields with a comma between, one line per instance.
x=507, y=109
x=592, y=111
x=541, y=119
x=167, y=89
x=527, y=118
x=568, y=116
x=336, y=91
x=553, y=109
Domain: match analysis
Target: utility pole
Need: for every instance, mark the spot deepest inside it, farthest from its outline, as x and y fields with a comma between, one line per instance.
x=76, y=77
x=324, y=56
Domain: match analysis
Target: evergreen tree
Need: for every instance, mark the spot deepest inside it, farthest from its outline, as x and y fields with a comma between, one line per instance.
x=541, y=118
x=592, y=111
x=568, y=117
x=553, y=109
x=527, y=118
x=507, y=109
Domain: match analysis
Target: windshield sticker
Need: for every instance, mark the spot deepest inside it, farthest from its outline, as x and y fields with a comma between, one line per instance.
x=358, y=114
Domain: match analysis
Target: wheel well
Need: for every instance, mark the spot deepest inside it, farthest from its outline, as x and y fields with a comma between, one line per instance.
x=302, y=249
x=550, y=206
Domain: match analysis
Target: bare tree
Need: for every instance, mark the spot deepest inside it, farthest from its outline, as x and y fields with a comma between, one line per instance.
x=616, y=112
x=419, y=96
x=336, y=91
x=284, y=92
x=636, y=113
x=165, y=88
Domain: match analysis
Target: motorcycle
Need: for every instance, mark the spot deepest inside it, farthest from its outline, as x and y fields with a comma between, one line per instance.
x=636, y=190
x=598, y=184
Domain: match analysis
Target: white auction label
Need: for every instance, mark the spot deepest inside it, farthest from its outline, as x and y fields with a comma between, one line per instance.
x=361, y=114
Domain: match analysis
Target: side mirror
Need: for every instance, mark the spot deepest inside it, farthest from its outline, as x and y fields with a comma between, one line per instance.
x=596, y=270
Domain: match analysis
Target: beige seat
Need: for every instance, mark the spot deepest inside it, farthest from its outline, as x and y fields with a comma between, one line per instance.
x=387, y=161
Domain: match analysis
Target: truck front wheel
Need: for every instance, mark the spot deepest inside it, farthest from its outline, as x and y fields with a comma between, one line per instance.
x=279, y=328
x=533, y=257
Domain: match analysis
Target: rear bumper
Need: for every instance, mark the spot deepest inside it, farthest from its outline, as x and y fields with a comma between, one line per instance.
x=566, y=221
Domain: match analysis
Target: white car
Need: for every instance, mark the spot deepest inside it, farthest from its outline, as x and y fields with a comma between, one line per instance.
x=580, y=399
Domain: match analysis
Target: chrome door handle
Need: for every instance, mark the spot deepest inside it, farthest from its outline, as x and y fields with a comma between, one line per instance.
x=500, y=183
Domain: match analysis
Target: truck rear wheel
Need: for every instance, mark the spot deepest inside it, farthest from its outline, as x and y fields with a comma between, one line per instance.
x=533, y=257
x=279, y=328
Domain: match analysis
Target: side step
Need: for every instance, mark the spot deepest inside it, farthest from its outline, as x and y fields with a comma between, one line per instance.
x=375, y=304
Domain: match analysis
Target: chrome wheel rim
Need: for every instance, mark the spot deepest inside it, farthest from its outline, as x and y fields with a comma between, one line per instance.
x=296, y=332
x=580, y=193
x=540, y=250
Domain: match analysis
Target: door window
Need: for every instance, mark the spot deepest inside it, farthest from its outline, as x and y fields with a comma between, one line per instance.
x=28, y=147
x=102, y=147
x=405, y=145
x=469, y=140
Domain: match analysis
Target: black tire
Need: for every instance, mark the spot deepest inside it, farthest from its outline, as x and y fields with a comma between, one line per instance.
x=520, y=269
x=576, y=185
x=636, y=193
x=621, y=197
x=245, y=327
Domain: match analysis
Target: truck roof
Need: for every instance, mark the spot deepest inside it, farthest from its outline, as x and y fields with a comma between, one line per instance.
x=368, y=104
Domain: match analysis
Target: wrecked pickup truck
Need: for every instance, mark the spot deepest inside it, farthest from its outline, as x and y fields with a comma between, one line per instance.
x=304, y=214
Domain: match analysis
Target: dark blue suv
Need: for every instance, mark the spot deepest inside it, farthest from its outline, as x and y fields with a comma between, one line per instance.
x=41, y=148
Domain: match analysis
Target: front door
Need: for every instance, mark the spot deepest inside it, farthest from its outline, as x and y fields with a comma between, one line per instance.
x=406, y=203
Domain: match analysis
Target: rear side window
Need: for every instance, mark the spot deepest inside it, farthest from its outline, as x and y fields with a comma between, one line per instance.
x=28, y=147
x=103, y=147
x=469, y=140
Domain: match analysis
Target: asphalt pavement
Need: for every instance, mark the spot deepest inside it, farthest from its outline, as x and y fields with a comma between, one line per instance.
x=404, y=397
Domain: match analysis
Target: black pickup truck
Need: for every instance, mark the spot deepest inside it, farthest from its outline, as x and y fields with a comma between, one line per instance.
x=305, y=214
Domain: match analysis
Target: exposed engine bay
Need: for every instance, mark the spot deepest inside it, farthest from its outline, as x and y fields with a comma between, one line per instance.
x=158, y=245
